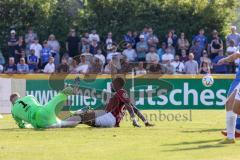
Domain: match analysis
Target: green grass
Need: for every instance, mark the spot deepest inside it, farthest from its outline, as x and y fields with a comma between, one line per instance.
x=176, y=140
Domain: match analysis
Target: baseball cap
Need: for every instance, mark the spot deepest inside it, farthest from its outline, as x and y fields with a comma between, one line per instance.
x=13, y=31
x=141, y=36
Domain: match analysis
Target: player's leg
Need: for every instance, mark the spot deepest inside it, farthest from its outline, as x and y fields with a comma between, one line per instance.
x=142, y=117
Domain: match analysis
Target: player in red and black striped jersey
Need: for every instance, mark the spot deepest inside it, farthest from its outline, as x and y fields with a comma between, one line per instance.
x=115, y=109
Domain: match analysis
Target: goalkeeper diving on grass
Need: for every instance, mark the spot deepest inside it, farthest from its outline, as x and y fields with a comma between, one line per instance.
x=27, y=110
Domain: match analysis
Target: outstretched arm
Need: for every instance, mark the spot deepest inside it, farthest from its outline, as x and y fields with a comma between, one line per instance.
x=230, y=58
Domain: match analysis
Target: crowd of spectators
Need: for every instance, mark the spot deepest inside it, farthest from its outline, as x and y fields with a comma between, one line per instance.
x=139, y=52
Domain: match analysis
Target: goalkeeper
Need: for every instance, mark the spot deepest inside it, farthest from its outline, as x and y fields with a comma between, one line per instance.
x=28, y=110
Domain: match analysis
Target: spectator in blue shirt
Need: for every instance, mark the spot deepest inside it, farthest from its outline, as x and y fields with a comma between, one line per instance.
x=201, y=38
x=128, y=38
x=11, y=66
x=45, y=54
x=22, y=67
x=142, y=49
x=220, y=69
x=161, y=51
x=32, y=61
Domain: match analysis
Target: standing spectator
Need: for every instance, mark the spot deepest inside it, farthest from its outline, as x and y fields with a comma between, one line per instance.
x=63, y=67
x=73, y=44
x=22, y=67
x=11, y=66
x=20, y=47
x=32, y=61
x=128, y=38
x=184, y=57
x=96, y=66
x=140, y=69
x=109, y=40
x=201, y=38
x=161, y=51
x=231, y=47
x=167, y=57
x=141, y=48
x=178, y=65
x=100, y=56
x=216, y=45
x=219, y=69
x=45, y=54
x=145, y=33
x=197, y=50
x=94, y=47
x=152, y=56
x=37, y=47
x=204, y=68
x=136, y=38
x=85, y=41
x=152, y=39
x=50, y=67
x=130, y=53
x=233, y=36
x=2, y=59
x=169, y=40
x=191, y=66
x=29, y=39
x=12, y=43
x=93, y=36
x=55, y=48
x=183, y=43
x=1, y=68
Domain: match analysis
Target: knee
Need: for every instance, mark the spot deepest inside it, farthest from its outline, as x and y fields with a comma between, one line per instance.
x=236, y=110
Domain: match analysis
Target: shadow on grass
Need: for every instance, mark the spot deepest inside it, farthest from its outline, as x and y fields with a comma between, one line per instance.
x=196, y=148
x=195, y=142
x=203, y=130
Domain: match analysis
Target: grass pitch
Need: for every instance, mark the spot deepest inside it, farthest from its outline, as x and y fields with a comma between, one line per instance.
x=195, y=139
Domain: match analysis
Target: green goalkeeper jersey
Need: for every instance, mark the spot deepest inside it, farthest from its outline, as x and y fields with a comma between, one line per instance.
x=25, y=109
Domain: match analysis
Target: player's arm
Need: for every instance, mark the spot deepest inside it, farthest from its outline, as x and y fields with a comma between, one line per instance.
x=19, y=122
x=230, y=58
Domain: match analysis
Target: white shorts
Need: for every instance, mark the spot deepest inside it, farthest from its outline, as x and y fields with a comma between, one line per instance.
x=106, y=120
x=237, y=89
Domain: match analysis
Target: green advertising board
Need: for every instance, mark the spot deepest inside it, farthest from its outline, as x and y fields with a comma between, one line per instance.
x=166, y=92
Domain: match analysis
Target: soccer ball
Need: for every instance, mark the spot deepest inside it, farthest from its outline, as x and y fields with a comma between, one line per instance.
x=207, y=81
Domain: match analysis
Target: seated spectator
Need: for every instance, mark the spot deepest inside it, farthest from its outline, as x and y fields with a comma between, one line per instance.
x=2, y=59
x=130, y=53
x=191, y=66
x=100, y=56
x=183, y=43
x=32, y=61
x=87, y=55
x=63, y=66
x=50, y=67
x=111, y=68
x=94, y=47
x=155, y=68
x=152, y=56
x=113, y=54
x=95, y=66
x=12, y=43
x=216, y=45
x=109, y=40
x=85, y=42
x=197, y=50
x=73, y=43
x=45, y=55
x=83, y=66
x=22, y=67
x=168, y=68
x=205, y=58
x=219, y=69
x=167, y=57
x=178, y=65
x=170, y=41
x=29, y=38
x=184, y=57
x=204, y=68
x=37, y=47
x=231, y=48
x=152, y=39
x=140, y=69
x=141, y=49
x=126, y=67
x=94, y=36
x=1, y=68
x=54, y=45
x=161, y=51
x=73, y=66
x=128, y=38
x=11, y=66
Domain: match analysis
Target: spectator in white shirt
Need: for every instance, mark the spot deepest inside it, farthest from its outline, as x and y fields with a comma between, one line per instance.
x=130, y=53
x=87, y=55
x=50, y=67
x=83, y=65
x=36, y=47
x=109, y=40
x=152, y=56
x=167, y=57
x=140, y=69
x=191, y=66
x=231, y=48
x=100, y=56
x=178, y=65
x=94, y=35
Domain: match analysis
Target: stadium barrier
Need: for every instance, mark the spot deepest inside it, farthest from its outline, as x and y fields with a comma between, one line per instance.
x=146, y=91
